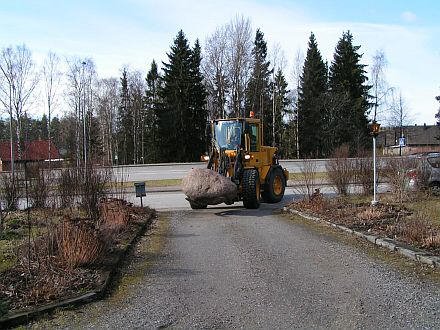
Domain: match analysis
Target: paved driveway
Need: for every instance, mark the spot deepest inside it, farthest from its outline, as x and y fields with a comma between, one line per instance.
x=228, y=267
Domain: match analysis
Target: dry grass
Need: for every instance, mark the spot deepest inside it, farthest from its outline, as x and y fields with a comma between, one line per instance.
x=79, y=243
x=65, y=256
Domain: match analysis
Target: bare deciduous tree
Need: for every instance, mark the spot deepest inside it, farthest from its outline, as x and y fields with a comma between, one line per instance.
x=239, y=50
x=137, y=91
x=107, y=98
x=19, y=80
x=80, y=79
x=380, y=88
x=399, y=113
x=297, y=69
x=52, y=79
x=214, y=66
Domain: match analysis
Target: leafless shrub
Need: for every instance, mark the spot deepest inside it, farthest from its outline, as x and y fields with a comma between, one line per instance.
x=119, y=178
x=93, y=186
x=396, y=172
x=10, y=190
x=363, y=172
x=80, y=243
x=114, y=214
x=340, y=169
x=422, y=174
x=308, y=181
x=39, y=187
x=68, y=186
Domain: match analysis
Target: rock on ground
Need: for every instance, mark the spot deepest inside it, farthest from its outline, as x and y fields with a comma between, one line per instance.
x=208, y=187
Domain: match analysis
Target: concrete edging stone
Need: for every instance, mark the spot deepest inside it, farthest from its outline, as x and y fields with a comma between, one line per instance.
x=409, y=252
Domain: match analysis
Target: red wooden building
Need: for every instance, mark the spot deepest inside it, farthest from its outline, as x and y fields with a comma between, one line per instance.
x=33, y=151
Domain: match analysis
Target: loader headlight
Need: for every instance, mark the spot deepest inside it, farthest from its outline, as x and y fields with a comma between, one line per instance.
x=247, y=157
x=205, y=158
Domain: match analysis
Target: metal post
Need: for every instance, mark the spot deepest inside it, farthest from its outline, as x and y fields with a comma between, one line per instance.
x=84, y=116
x=374, y=201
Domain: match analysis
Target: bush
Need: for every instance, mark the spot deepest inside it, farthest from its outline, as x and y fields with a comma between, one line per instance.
x=68, y=186
x=340, y=169
x=10, y=191
x=396, y=172
x=114, y=214
x=80, y=243
x=363, y=172
x=93, y=184
x=308, y=183
x=39, y=187
x=422, y=175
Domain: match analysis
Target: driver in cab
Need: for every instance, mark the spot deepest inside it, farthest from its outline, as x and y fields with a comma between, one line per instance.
x=234, y=139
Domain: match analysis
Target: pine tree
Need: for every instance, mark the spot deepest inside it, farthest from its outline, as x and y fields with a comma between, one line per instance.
x=349, y=92
x=313, y=86
x=258, y=96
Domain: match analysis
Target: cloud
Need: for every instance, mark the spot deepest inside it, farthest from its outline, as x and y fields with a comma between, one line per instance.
x=409, y=16
x=140, y=32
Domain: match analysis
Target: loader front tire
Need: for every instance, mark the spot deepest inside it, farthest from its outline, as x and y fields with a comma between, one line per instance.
x=251, y=189
x=275, y=187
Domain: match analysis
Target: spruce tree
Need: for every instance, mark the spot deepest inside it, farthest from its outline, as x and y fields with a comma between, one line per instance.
x=125, y=134
x=197, y=106
x=313, y=86
x=258, y=96
x=281, y=103
x=151, y=143
x=44, y=133
x=182, y=99
x=349, y=92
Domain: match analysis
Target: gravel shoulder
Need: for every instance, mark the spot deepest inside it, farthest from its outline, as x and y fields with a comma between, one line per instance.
x=232, y=267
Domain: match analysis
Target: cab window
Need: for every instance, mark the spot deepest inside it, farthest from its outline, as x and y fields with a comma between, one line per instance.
x=254, y=136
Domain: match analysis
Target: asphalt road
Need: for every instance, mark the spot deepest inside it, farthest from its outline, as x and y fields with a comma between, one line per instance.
x=228, y=267
x=178, y=171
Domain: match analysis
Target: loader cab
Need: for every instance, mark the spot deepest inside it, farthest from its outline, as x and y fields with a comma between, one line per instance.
x=254, y=136
x=238, y=133
x=228, y=134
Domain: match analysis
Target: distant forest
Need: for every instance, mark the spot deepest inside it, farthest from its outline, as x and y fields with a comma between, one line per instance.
x=160, y=115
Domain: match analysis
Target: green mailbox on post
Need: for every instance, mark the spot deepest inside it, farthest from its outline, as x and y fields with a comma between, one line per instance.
x=140, y=190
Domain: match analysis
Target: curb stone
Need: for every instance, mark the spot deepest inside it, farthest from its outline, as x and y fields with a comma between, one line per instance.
x=411, y=253
x=26, y=315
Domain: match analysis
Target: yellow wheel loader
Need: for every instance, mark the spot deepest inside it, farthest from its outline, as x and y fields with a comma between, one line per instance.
x=236, y=151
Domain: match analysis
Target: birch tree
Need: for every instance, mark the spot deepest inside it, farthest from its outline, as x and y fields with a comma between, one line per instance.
x=19, y=80
x=215, y=71
x=239, y=58
x=51, y=79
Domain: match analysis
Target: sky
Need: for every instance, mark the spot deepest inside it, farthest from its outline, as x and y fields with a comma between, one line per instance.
x=134, y=32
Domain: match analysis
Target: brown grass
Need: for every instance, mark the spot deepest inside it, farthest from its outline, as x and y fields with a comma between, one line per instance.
x=79, y=243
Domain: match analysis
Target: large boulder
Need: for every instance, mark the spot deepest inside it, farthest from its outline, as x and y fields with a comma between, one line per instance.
x=207, y=187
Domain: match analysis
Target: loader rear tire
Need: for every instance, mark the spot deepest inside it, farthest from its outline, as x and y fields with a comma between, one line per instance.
x=251, y=189
x=275, y=187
